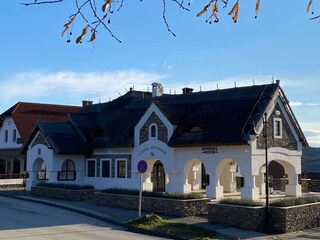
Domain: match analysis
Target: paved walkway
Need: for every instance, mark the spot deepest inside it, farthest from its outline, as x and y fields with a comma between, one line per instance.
x=119, y=216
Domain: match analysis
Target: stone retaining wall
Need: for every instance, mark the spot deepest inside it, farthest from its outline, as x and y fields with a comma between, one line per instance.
x=65, y=194
x=251, y=218
x=173, y=207
x=295, y=218
x=314, y=185
x=282, y=219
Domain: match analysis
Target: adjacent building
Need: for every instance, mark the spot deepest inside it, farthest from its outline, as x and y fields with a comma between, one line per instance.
x=16, y=125
x=190, y=141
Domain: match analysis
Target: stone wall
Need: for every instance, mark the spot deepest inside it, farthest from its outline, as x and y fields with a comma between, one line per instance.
x=296, y=218
x=251, y=218
x=282, y=219
x=173, y=207
x=64, y=194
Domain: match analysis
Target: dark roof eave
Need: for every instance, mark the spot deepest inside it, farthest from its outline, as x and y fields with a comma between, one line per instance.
x=241, y=143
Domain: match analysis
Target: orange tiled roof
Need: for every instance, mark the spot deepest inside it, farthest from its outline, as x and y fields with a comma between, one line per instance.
x=26, y=115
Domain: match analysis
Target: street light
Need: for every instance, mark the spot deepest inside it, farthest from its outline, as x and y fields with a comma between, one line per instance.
x=265, y=136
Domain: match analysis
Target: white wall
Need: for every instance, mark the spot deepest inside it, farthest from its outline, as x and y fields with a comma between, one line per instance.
x=9, y=125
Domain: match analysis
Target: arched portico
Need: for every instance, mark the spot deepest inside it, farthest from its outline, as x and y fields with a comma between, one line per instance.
x=155, y=178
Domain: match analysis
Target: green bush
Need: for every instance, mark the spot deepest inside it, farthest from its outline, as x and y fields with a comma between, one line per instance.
x=243, y=202
x=153, y=194
x=287, y=202
x=65, y=186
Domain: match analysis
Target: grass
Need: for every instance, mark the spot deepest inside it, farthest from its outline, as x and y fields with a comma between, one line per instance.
x=157, y=224
x=153, y=194
x=242, y=202
x=288, y=202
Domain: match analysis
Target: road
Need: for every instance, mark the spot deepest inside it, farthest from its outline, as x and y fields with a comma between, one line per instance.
x=27, y=220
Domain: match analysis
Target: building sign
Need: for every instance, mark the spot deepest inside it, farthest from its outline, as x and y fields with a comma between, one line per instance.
x=210, y=150
x=151, y=149
x=112, y=151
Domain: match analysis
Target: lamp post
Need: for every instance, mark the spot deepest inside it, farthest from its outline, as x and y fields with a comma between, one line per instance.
x=265, y=136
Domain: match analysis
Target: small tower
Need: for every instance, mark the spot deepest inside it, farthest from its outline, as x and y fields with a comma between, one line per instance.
x=157, y=89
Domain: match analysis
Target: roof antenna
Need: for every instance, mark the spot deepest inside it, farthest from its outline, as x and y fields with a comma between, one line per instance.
x=200, y=88
x=170, y=91
x=235, y=84
x=99, y=100
x=109, y=99
x=272, y=79
x=253, y=82
x=217, y=86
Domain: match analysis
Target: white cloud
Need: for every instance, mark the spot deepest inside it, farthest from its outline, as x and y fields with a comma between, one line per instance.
x=296, y=104
x=72, y=87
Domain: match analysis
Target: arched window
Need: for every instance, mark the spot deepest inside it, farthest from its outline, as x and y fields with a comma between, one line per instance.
x=67, y=172
x=153, y=131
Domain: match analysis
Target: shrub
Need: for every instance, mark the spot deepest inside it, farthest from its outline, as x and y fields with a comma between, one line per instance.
x=243, y=202
x=287, y=202
x=153, y=194
x=65, y=186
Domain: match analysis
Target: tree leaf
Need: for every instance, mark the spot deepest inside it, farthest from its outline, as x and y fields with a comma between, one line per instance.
x=309, y=5
x=257, y=7
x=204, y=10
x=67, y=25
x=106, y=5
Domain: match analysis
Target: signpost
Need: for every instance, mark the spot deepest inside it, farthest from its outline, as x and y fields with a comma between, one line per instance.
x=142, y=168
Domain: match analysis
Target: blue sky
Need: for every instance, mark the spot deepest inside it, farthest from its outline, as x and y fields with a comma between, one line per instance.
x=38, y=65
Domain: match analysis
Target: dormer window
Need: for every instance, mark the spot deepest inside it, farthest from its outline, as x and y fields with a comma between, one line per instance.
x=277, y=128
x=153, y=131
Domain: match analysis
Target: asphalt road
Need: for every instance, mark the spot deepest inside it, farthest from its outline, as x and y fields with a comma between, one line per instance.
x=27, y=220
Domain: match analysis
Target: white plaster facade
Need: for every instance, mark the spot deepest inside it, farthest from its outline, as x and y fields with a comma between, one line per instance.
x=182, y=165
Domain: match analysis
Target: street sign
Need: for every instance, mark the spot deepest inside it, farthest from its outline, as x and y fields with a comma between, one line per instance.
x=142, y=166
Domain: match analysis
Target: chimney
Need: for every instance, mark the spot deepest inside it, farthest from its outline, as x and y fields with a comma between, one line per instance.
x=86, y=103
x=157, y=89
x=278, y=82
x=187, y=90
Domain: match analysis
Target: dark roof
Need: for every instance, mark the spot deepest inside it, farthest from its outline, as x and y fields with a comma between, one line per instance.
x=62, y=137
x=220, y=117
x=26, y=115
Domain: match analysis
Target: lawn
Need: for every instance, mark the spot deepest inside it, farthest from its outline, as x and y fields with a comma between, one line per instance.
x=157, y=224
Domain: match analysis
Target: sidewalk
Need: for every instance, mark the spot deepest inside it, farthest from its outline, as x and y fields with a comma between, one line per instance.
x=119, y=216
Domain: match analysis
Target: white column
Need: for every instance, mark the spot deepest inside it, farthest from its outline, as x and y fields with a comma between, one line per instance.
x=293, y=188
x=32, y=180
x=249, y=191
x=214, y=189
x=261, y=181
x=178, y=183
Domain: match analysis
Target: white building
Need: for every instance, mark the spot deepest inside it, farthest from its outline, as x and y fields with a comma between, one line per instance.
x=16, y=125
x=189, y=141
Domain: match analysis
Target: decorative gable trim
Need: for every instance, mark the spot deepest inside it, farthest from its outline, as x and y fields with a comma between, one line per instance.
x=153, y=117
x=40, y=139
x=162, y=131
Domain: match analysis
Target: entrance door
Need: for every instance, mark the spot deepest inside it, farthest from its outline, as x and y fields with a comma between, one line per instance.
x=158, y=177
x=204, y=177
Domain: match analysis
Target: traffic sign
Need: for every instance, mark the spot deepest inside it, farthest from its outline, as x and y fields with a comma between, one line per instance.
x=142, y=166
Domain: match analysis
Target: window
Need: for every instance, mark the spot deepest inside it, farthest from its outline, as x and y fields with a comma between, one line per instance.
x=277, y=128
x=42, y=174
x=14, y=135
x=6, y=134
x=91, y=168
x=153, y=131
x=121, y=168
x=67, y=172
x=105, y=168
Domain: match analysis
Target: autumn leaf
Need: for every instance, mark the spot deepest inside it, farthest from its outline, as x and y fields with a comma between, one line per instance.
x=257, y=7
x=84, y=32
x=106, y=5
x=67, y=25
x=204, y=10
x=93, y=37
x=234, y=8
x=309, y=5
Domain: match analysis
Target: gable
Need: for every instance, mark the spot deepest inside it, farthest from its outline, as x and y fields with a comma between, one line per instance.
x=39, y=139
x=288, y=138
x=160, y=126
